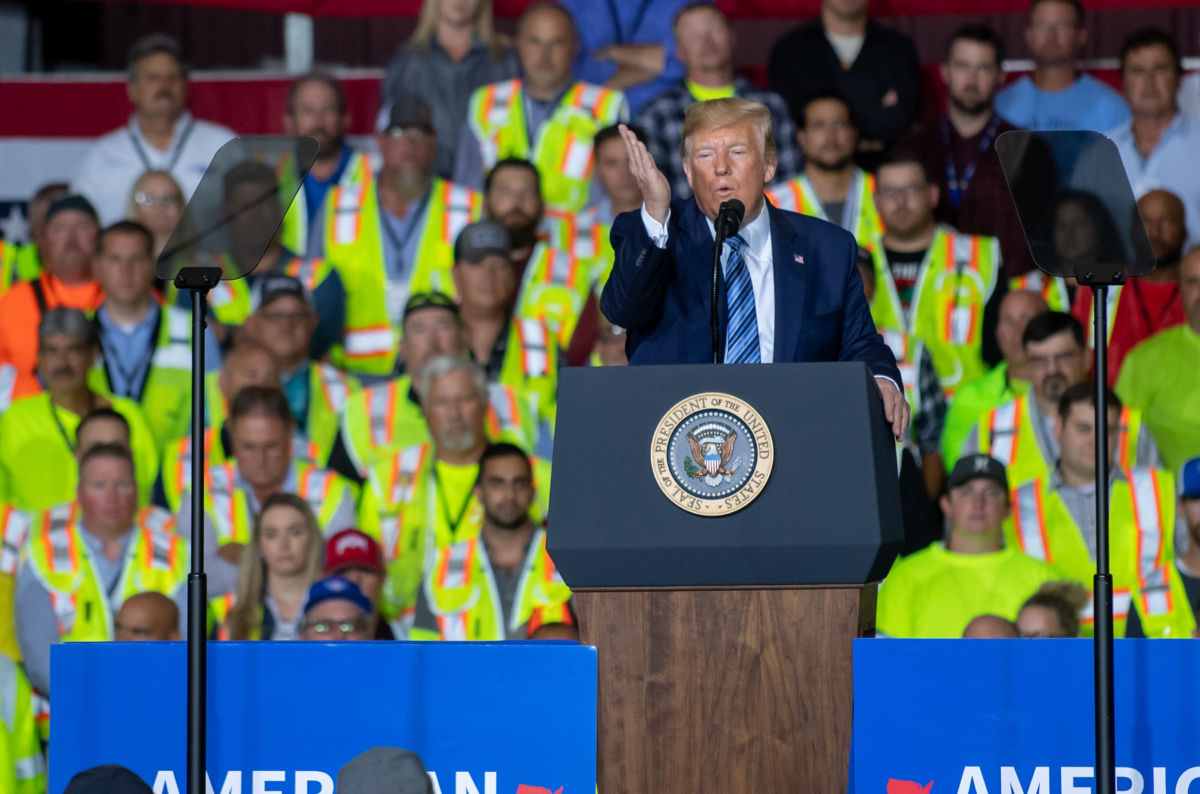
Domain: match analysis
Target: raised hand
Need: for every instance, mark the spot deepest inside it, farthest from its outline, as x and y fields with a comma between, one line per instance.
x=656, y=190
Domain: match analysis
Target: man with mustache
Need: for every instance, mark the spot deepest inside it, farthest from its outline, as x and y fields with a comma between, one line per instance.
x=161, y=133
x=958, y=152
x=1020, y=433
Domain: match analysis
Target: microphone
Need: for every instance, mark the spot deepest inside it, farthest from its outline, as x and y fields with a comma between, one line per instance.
x=729, y=218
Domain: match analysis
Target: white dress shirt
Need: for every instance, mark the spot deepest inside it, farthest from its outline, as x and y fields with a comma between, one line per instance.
x=117, y=159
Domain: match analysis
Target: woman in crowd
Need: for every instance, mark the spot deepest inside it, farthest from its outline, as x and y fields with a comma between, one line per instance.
x=157, y=203
x=1053, y=611
x=279, y=563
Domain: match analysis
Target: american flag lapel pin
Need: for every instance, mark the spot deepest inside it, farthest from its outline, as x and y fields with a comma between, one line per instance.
x=799, y=260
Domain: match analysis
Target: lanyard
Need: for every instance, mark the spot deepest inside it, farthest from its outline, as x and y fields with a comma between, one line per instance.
x=62, y=431
x=956, y=185
x=451, y=521
x=1141, y=305
x=141, y=153
x=413, y=220
x=643, y=7
x=135, y=377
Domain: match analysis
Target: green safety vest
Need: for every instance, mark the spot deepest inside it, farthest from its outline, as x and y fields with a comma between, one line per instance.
x=1141, y=548
x=8, y=385
x=460, y=591
x=954, y=283
x=354, y=240
x=971, y=403
x=296, y=230
x=1052, y=289
x=1006, y=433
x=798, y=195
x=562, y=150
x=233, y=300
x=156, y=559
x=22, y=765
x=907, y=350
x=166, y=398
x=530, y=365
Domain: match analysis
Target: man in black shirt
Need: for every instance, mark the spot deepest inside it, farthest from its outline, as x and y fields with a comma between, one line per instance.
x=875, y=67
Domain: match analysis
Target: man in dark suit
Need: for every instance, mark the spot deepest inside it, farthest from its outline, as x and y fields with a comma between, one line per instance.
x=789, y=290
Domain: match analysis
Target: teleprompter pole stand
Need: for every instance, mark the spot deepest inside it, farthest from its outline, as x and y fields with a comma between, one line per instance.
x=1106, y=755
x=199, y=280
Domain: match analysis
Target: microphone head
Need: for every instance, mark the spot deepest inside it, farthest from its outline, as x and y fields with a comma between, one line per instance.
x=730, y=214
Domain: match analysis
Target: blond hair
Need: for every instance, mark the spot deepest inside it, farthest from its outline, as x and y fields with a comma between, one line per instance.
x=717, y=113
x=140, y=182
x=244, y=620
x=481, y=25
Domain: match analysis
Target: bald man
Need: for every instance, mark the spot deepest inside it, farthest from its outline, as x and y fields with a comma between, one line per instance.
x=145, y=617
x=990, y=627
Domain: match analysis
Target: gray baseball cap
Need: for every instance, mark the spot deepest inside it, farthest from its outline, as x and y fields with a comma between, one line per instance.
x=481, y=238
x=384, y=770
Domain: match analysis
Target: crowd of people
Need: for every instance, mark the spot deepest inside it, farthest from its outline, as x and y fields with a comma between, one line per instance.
x=381, y=389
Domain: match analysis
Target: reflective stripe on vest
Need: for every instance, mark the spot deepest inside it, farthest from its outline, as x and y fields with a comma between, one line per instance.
x=349, y=204
x=533, y=342
x=174, y=349
x=1152, y=567
x=15, y=526
x=8, y=383
x=1029, y=521
x=1002, y=426
x=1052, y=289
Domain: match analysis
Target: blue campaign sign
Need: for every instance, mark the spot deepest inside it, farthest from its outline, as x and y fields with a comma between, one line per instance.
x=1016, y=717
x=486, y=718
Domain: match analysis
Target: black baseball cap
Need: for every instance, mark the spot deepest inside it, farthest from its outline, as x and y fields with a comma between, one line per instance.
x=74, y=202
x=480, y=239
x=429, y=300
x=979, y=466
x=277, y=285
x=409, y=110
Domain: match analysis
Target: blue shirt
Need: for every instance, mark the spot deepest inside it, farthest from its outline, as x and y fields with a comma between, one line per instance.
x=315, y=189
x=1171, y=166
x=604, y=22
x=1087, y=105
x=128, y=352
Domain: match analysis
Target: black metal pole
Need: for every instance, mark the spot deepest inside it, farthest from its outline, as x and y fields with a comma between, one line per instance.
x=718, y=354
x=1106, y=761
x=197, y=628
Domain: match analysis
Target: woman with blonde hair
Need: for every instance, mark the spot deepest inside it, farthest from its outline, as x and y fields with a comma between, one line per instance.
x=453, y=51
x=281, y=561
x=157, y=203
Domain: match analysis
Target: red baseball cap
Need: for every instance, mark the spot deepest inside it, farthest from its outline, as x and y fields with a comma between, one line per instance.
x=352, y=548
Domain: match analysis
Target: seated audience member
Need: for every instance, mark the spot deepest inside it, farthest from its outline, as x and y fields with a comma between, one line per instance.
x=1020, y=432
x=393, y=236
x=1003, y=382
x=23, y=261
x=67, y=247
x=1053, y=611
x=1056, y=95
x=1151, y=303
x=37, y=433
x=145, y=348
x=936, y=592
x=146, y=617
x=508, y=585
x=107, y=779
x=545, y=116
x=384, y=769
x=873, y=66
x=262, y=463
x=990, y=627
x=356, y=556
x=958, y=150
x=156, y=202
x=284, y=323
x=336, y=610
x=1054, y=520
x=454, y=50
x=831, y=187
x=161, y=133
x=316, y=107
x=1158, y=144
x=628, y=46
x=1161, y=376
x=232, y=301
x=920, y=266
x=426, y=494
x=704, y=44
x=248, y=364
x=84, y=558
x=278, y=564
x=383, y=419
x=22, y=762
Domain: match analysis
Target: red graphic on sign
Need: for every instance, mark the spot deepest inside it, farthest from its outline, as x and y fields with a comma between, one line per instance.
x=524, y=789
x=904, y=787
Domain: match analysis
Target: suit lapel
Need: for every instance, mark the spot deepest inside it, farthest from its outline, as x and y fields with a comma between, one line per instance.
x=698, y=243
x=791, y=283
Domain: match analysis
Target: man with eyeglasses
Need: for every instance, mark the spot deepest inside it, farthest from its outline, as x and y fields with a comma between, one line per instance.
x=935, y=287
x=937, y=591
x=1056, y=95
x=393, y=234
x=958, y=150
x=336, y=610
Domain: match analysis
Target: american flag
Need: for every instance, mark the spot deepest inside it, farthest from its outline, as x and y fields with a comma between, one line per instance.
x=798, y=259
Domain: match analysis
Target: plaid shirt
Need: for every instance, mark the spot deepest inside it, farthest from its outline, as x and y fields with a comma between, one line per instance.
x=929, y=414
x=662, y=120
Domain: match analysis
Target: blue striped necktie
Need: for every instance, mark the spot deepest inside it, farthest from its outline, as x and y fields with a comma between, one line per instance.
x=741, y=331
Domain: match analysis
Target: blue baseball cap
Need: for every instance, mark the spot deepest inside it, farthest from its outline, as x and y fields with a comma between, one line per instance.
x=336, y=587
x=1190, y=485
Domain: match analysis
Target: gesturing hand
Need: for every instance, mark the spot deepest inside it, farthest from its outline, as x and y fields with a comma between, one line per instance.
x=895, y=407
x=656, y=190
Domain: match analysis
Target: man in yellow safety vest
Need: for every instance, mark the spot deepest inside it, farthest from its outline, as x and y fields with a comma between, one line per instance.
x=545, y=116
x=1054, y=520
x=501, y=585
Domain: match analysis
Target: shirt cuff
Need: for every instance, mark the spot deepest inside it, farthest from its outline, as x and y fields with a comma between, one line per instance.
x=889, y=380
x=657, y=231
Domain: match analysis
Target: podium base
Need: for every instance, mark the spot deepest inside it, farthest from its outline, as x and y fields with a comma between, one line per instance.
x=725, y=689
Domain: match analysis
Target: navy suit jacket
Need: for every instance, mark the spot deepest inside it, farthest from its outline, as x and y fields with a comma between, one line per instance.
x=662, y=296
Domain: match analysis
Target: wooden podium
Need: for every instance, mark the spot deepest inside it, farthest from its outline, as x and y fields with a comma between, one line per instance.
x=724, y=642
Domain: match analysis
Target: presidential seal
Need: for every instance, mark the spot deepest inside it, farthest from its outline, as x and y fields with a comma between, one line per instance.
x=712, y=454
